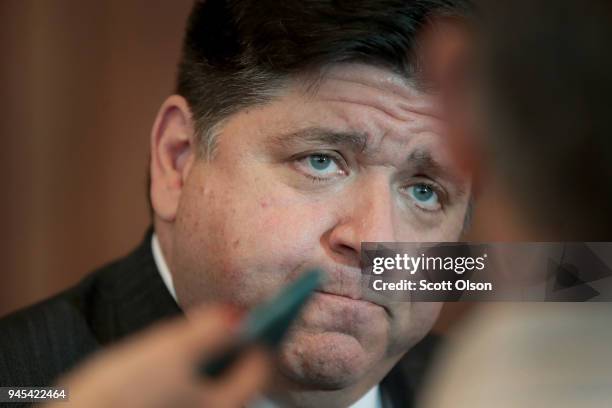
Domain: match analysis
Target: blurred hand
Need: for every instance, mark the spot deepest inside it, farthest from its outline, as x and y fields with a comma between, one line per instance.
x=158, y=368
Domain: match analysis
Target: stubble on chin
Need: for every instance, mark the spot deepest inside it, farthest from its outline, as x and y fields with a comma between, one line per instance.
x=323, y=360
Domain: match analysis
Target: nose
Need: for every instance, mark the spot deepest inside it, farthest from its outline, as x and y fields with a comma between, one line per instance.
x=367, y=215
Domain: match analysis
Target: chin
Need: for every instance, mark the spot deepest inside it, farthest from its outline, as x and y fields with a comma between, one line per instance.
x=328, y=360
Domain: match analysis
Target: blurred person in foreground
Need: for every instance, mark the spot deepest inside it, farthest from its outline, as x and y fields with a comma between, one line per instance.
x=538, y=134
x=299, y=130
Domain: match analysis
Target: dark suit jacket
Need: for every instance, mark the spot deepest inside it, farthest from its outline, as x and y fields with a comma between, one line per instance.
x=43, y=341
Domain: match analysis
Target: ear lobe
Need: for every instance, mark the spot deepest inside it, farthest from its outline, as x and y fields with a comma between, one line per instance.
x=172, y=155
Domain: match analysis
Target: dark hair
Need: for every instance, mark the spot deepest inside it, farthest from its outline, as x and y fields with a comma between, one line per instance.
x=238, y=53
x=549, y=70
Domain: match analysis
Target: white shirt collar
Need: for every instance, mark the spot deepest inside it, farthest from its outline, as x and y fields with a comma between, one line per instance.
x=162, y=266
x=371, y=399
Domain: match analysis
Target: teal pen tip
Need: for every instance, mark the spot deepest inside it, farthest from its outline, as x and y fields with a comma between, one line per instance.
x=270, y=322
x=267, y=324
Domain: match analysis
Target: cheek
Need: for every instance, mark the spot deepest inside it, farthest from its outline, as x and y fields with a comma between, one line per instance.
x=249, y=247
x=456, y=223
x=278, y=236
x=278, y=219
x=448, y=229
x=413, y=321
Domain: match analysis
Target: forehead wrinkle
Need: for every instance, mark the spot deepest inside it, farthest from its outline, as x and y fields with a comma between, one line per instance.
x=390, y=114
x=379, y=128
x=405, y=90
x=406, y=99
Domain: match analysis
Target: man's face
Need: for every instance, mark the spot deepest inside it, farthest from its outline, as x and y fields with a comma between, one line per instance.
x=299, y=183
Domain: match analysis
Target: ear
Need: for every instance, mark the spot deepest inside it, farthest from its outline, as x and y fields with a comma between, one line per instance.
x=172, y=155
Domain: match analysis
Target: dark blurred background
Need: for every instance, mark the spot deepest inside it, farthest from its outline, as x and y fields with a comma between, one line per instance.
x=81, y=83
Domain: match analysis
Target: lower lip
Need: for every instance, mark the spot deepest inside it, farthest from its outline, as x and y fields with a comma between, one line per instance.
x=341, y=298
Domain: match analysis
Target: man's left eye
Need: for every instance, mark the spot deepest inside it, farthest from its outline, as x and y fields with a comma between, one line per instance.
x=424, y=196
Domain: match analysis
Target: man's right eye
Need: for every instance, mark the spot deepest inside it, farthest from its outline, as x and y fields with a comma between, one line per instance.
x=320, y=166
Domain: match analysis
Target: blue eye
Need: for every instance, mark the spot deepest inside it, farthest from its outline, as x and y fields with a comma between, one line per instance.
x=320, y=166
x=424, y=195
x=320, y=162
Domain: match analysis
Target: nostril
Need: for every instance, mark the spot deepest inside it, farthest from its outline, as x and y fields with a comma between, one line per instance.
x=348, y=249
x=346, y=255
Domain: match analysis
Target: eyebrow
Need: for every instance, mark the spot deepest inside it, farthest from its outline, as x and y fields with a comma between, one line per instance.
x=422, y=161
x=318, y=136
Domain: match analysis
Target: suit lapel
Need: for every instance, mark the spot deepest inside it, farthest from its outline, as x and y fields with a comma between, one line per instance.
x=138, y=295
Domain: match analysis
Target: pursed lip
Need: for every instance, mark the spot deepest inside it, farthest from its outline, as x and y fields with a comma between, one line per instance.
x=364, y=301
x=349, y=284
